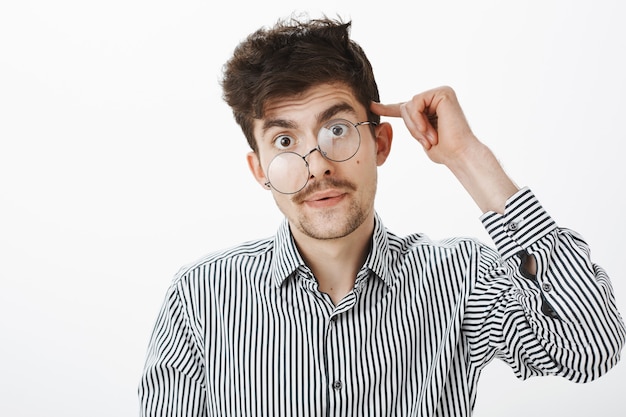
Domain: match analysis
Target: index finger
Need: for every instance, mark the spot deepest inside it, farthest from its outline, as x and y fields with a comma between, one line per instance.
x=390, y=110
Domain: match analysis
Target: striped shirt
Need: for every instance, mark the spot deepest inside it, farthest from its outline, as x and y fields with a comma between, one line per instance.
x=247, y=332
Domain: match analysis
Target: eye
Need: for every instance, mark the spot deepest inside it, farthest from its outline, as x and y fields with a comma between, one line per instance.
x=284, y=142
x=338, y=130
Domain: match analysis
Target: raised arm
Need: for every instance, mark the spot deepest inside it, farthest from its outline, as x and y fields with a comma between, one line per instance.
x=436, y=120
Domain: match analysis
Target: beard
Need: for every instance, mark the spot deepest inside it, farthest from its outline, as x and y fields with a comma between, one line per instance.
x=330, y=224
x=333, y=223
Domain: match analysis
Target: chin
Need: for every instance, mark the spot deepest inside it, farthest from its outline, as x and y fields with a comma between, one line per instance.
x=328, y=226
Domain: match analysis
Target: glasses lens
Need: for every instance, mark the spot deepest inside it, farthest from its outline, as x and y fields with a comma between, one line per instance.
x=288, y=173
x=339, y=140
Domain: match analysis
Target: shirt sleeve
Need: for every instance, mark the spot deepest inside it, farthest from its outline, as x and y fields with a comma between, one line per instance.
x=172, y=383
x=561, y=321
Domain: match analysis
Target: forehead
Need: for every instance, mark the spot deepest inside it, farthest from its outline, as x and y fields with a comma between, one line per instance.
x=309, y=108
x=314, y=97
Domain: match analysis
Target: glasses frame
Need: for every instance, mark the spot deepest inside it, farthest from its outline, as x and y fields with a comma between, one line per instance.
x=324, y=154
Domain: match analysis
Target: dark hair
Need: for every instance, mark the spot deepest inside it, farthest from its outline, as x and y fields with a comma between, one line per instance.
x=289, y=58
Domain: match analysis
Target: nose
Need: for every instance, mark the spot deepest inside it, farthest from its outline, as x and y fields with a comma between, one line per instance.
x=318, y=164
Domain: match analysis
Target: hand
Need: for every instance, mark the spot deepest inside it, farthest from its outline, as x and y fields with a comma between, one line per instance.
x=436, y=120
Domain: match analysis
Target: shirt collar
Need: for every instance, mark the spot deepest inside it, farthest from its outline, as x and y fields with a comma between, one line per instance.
x=379, y=258
x=287, y=259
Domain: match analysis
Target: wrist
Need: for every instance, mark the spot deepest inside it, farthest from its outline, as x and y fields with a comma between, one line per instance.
x=481, y=174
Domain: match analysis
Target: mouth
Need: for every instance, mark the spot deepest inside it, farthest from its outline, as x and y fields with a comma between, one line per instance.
x=324, y=193
x=324, y=199
x=324, y=196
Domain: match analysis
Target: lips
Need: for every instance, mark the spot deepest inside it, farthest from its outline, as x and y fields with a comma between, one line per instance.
x=326, y=190
x=324, y=200
x=323, y=195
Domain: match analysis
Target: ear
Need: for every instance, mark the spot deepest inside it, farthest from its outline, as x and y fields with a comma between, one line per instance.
x=384, y=136
x=254, y=163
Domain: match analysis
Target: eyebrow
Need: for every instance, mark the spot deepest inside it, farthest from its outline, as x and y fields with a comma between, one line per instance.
x=324, y=116
x=270, y=123
x=332, y=111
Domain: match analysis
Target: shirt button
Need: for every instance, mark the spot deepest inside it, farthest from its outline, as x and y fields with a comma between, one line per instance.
x=547, y=287
x=337, y=385
x=513, y=226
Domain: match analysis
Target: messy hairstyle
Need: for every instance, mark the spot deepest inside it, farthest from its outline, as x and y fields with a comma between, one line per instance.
x=288, y=59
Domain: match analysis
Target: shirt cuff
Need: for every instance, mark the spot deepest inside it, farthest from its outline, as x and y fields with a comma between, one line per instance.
x=523, y=223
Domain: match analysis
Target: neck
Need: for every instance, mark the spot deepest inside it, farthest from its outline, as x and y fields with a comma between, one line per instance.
x=336, y=262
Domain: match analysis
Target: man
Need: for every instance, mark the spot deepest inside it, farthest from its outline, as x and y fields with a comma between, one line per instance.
x=335, y=315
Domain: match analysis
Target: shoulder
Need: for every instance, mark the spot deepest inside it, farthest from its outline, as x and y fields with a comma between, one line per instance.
x=419, y=241
x=459, y=248
x=247, y=253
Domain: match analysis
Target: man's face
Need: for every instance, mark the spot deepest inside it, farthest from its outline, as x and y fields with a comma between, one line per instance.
x=339, y=196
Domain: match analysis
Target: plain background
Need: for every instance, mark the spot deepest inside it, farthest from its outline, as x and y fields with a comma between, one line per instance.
x=119, y=163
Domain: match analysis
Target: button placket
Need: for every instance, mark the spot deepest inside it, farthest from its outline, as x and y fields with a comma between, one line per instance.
x=335, y=360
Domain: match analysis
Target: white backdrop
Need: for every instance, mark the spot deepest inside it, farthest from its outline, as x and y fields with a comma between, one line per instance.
x=119, y=162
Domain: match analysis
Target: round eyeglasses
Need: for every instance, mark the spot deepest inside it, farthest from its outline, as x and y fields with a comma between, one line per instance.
x=338, y=140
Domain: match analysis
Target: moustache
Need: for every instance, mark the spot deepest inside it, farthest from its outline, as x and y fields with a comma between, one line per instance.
x=316, y=186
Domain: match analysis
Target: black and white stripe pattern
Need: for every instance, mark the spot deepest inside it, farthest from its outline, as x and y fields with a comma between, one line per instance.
x=246, y=332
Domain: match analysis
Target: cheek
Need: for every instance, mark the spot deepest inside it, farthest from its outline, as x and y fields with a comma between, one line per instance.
x=281, y=201
x=265, y=162
x=362, y=169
